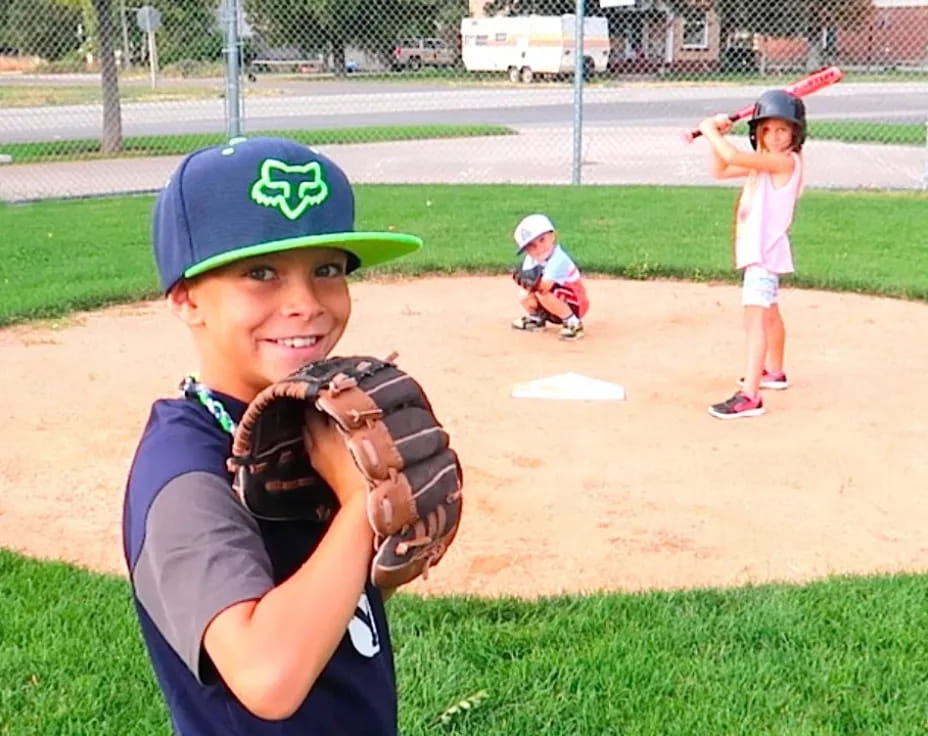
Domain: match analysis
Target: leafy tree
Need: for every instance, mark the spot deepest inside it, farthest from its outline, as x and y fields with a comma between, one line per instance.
x=4, y=36
x=190, y=30
x=328, y=26
x=540, y=7
x=448, y=17
x=43, y=28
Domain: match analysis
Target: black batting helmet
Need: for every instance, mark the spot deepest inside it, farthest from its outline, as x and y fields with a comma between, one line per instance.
x=778, y=103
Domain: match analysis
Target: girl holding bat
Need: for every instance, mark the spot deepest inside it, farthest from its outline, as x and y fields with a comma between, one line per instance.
x=773, y=174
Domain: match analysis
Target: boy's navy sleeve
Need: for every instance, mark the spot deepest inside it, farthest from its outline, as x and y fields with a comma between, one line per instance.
x=202, y=552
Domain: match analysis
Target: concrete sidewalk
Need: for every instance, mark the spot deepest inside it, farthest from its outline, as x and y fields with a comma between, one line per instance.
x=537, y=155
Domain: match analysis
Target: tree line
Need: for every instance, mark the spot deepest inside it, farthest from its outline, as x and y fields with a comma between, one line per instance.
x=57, y=29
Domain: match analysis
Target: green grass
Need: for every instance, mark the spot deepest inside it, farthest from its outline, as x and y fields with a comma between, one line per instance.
x=834, y=658
x=838, y=657
x=81, y=254
x=856, y=131
x=782, y=78
x=860, y=131
x=71, y=657
x=134, y=88
x=176, y=145
x=457, y=74
x=40, y=95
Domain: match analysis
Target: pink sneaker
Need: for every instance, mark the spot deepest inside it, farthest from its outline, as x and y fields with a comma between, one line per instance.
x=738, y=406
x=773, y=381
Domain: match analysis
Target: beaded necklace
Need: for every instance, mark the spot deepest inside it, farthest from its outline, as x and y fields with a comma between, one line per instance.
x=193, y=389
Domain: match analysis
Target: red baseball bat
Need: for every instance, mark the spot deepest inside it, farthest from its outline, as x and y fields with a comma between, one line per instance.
x=805, y=86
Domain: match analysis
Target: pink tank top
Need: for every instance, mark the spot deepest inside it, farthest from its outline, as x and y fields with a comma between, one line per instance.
x=764, y=216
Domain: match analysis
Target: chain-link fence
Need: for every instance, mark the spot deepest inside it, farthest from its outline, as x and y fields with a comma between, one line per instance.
x=100, y=95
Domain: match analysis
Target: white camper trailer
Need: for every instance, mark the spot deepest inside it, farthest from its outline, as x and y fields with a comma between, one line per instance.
x=529, y=46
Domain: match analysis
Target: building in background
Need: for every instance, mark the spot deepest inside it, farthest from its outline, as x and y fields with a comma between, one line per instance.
x=649, y=37
x=893, y=35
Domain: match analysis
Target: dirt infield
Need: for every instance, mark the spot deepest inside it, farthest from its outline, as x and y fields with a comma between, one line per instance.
x=559, y=495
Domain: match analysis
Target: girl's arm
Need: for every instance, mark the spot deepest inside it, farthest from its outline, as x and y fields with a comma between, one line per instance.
x=729, y=162
x=713, y=130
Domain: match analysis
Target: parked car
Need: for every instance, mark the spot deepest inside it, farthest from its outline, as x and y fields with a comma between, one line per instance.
x=415, y=53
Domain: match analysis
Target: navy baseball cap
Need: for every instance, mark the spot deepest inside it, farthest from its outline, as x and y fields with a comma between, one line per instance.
x=259, y=195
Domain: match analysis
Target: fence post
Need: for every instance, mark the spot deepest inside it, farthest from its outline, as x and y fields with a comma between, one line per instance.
x=233, y=71
x=578, y=92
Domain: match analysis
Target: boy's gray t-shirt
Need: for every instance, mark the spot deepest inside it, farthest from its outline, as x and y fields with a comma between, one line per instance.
x=193, y=550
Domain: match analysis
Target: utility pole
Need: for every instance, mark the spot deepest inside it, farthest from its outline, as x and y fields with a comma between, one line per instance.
x=233, y=71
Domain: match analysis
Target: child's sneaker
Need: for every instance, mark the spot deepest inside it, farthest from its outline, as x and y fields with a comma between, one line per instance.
x=572, y=331
x=738, y=406
x=773, y=381
x=528, y=322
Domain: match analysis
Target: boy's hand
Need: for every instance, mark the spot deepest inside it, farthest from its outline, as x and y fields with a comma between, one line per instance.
x=330, y=456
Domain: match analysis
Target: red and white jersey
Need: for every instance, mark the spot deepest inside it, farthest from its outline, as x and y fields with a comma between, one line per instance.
x=560, y=268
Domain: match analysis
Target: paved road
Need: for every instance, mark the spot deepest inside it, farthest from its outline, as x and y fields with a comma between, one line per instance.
x=340, y=104
x=537, y=155
x=630, y=134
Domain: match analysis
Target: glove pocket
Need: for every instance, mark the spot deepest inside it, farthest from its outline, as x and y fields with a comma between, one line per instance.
x=282, y=486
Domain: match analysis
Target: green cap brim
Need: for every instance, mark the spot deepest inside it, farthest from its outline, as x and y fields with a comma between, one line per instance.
x=371, y=249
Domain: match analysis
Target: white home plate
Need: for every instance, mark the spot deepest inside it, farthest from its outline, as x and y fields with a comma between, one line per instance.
x=569, y=386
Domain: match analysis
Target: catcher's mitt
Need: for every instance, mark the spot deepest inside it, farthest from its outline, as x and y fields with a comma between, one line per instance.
x=414, y=477
x=528, y=278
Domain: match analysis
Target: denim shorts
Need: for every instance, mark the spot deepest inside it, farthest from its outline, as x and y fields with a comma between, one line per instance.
x=761, y=287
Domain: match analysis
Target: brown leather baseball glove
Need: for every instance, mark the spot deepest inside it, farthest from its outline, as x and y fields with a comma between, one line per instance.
x=414, y=477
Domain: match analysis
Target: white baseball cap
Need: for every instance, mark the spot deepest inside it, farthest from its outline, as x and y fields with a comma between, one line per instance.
x=530, y=228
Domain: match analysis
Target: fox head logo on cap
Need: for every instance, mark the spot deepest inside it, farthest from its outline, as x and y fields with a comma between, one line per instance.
x=256, y=196
x=290, y=188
